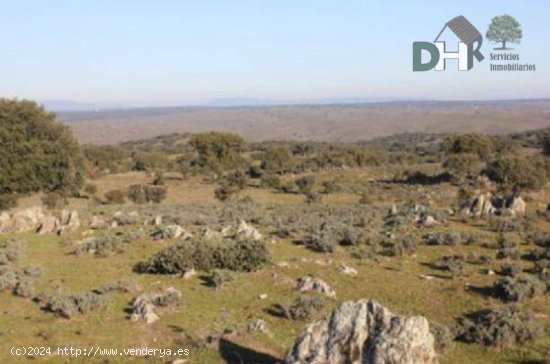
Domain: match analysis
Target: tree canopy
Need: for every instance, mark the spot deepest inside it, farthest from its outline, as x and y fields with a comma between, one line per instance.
x=36, y=151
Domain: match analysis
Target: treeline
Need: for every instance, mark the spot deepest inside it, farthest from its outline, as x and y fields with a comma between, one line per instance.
x=39, y=153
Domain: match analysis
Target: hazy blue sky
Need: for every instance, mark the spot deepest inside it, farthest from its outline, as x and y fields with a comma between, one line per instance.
x=182, y=52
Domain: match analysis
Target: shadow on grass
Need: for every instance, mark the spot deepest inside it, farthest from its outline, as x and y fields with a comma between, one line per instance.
x=207, y=281
x=486, y=291
x=277, y=310
x=234, y=353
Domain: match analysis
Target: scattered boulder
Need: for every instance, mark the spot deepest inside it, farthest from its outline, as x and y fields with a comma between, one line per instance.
x=142, y=309
x=344, y=269
x=314, y=284
x=144, y=305
x=98, y=223
x=26, y=220
x=258, y=326
x=171, y=232
x=33, y=218
x=188, y=273
x=427, y=221
x=49, y=225
x=228, y=232
x=69, y=222
x=365, y=332
x=515, y=205
x=481, y=206
x=247, y=231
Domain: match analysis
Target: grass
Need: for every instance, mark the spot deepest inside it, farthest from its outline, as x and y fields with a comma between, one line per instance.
x=393, y=281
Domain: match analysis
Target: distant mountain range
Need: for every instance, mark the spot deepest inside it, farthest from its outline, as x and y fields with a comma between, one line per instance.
x=337, y=122
x=69, y=105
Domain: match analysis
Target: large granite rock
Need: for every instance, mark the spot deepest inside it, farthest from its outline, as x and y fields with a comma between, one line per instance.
x=364, y=332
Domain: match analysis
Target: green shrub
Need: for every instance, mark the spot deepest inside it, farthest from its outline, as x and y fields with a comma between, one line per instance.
x=321, y=242
x=450, y=238
x=219, y=277
x=218, y=150
x=513, y=171
x=443, y=336
x=453, y=264
x=11, y=251
x=270, y=181
x=518, y=288
x=277, y=160
x=136, y=194
x=71, y=305
x=303, y=308
x=38, y=152
x=117, y=197
x=507, y=248
x=510, y=270
x=498, y=327
x=407, y=245
x=351, y=236
x=463, y=164
x=305, y=184
x=100, y=246
x=120, y=285
x=155, y=194
x=472, y=143
x=205, y=255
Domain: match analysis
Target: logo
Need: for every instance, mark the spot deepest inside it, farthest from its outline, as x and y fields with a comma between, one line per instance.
x=470, y=41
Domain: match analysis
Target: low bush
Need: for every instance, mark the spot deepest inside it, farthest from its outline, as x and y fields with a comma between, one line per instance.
x=155, y=194
x=12, y=250
x=498, y=327
x=205, y=255
x=518, y=288
x=507, y=248
x=121, y=285
x=116, y=197
x=453, y=264
x=510, y=270
x=70, y=305
x=443, y=336
x=321, y=242
x=450, y=238
x=270, y=181
x=20, y=281
x=407, y=245
x=100, y=246
x=303, y=308
x=219, y=277
x=136, y=194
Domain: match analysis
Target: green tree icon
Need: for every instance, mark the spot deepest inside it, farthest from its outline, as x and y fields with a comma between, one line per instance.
x=504, y=28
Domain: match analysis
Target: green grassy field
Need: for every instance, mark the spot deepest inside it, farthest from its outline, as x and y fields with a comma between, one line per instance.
x=205, y=312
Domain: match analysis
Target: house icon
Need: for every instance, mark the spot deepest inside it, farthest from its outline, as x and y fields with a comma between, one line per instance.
x=469, y=38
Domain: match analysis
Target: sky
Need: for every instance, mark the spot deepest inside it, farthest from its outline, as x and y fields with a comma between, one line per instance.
x=183, y=52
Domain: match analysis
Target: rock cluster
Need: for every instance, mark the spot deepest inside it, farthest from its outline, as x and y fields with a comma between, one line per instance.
x=314, y=284
x=487, y=204
x=33, y=218
x=144, y=305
